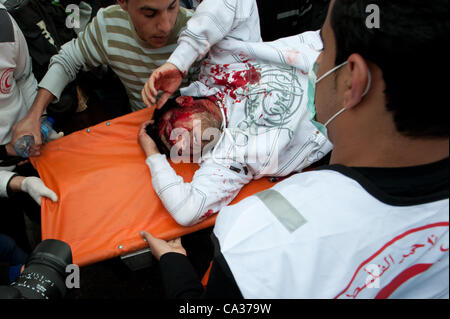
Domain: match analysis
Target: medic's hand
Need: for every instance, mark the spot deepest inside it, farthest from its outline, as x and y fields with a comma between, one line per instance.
x=28, y=126
x=161, y=247
x=166, y=78
x=146, y=142
x=37, y=189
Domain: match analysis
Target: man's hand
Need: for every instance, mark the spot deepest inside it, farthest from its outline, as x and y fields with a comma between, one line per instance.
x=10, y=149
x=29, y=125
x=166, y=78
x=36, y=188
x=161, y=247
x=147, y=144
x=23, y=128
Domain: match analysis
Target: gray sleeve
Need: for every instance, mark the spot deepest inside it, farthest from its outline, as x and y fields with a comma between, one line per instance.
x=86, y=52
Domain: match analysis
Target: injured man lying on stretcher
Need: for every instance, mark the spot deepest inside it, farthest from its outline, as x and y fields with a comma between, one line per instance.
x=262, y=129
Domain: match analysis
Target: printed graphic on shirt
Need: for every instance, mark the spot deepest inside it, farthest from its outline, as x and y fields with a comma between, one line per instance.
x=6, y=81
x=278, y=97
x=272, y=94
x=267, y=101
x=399, y=260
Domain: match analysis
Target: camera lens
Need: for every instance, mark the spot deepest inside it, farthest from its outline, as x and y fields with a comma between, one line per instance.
x=45, y=271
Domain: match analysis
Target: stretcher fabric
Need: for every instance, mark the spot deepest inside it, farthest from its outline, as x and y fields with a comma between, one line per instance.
x=105, y=193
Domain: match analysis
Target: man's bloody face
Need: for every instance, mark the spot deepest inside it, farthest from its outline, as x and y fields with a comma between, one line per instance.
x=183, y=128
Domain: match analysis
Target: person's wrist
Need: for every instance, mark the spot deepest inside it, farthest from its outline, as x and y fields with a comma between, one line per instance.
x=10, y=151
x=15, y=184
x=151, y=152
x=167, y=254
x=33, y=115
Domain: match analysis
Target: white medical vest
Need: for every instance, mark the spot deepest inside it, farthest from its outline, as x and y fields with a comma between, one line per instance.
x=322, y=235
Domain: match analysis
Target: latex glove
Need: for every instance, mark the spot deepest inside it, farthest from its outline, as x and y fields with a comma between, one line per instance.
x=166, y=78
x=37, y=189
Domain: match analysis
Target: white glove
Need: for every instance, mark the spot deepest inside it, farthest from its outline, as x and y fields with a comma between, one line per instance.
x=37, y=189
x=54, y=135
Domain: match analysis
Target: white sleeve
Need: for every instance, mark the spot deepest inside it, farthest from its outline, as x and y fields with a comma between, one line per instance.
x=213, y=187
x=26, y=82
x=211, y=22
x=299, y=51
x=5, y=177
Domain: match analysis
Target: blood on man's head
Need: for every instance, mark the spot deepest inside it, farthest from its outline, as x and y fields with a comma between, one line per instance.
x=185, y=122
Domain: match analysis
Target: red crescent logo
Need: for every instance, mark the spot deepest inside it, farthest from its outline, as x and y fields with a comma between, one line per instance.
x=5, y=83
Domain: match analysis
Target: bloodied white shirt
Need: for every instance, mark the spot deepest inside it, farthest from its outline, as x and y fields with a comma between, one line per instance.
x=262, y=91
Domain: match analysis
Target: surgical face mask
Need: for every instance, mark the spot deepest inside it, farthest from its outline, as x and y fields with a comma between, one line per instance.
x=313, y=80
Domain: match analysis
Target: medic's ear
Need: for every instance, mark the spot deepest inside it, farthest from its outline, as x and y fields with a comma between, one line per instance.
x=357, y=81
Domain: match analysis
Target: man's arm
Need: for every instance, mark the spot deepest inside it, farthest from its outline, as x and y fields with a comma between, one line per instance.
x=213, y=186
x=31, y=124
x=85, y=52
x=211, y=22
x=10, y=183
x=299, y=51
x=179, y=277
x=23, y=76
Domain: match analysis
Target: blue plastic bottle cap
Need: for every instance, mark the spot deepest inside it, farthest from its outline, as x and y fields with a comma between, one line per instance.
x=48, y=118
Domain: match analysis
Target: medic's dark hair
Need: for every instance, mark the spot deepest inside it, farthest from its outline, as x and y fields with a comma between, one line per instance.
x=411, y=48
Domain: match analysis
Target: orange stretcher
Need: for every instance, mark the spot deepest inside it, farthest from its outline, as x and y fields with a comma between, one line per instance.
x=105, y=193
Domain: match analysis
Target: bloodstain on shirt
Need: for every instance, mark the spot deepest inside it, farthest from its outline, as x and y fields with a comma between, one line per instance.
x=233, y=80
x=292, y=57
x=207, y=214
x=229, y=81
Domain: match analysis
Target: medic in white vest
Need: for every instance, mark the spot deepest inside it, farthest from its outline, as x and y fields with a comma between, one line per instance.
x=375, y=222
x=18, y=88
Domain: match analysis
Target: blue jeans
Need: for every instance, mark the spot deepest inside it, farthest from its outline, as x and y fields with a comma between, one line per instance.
x=10, y=253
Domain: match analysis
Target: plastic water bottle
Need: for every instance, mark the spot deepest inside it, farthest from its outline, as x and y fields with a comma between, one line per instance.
x=46, y=128
x=24, y=144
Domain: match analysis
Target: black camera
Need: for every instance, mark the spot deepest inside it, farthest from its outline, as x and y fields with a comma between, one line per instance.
x=44, y=276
